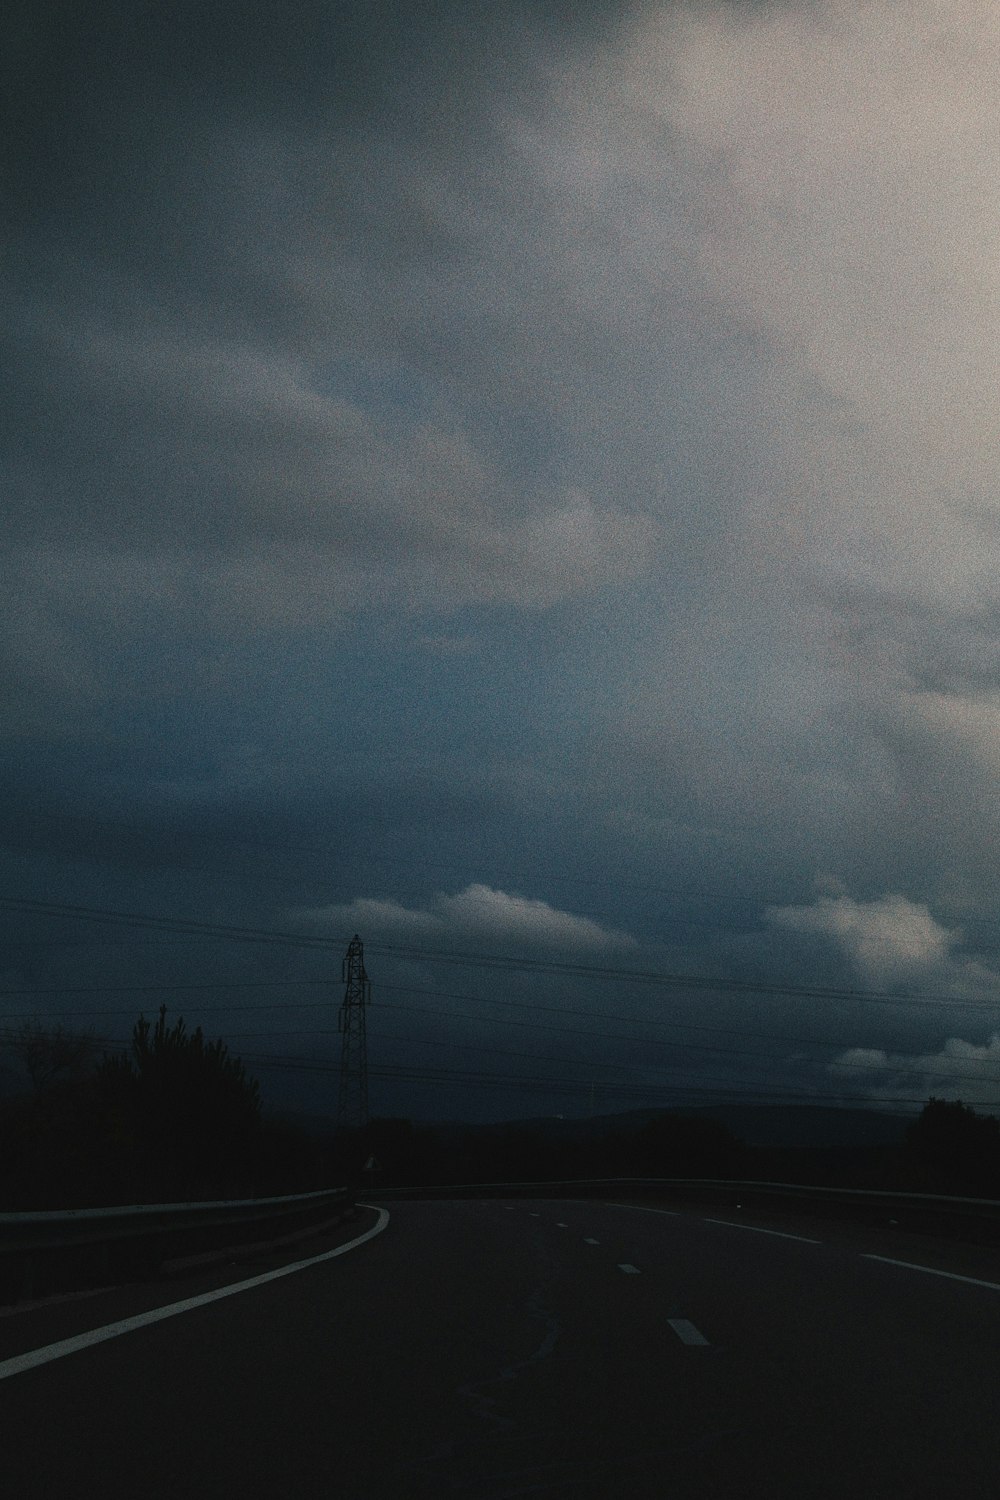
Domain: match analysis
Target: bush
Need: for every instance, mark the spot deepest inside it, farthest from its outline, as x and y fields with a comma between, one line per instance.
x=183, y=1113
x=952, y=1149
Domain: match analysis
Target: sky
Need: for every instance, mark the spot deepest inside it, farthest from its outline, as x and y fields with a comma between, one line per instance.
x=516, y=482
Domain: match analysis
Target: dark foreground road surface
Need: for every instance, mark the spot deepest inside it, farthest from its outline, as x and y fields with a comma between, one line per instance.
x=490, y=1349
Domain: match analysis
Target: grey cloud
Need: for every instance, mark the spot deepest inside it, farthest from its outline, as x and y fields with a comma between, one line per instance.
x=666, y=333
x=477, y=913
x=183, y=428
x=893, y=941
x=890, y=939
x=959, y=1070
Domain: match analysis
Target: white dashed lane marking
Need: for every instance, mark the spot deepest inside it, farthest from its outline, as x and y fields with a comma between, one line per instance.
x=591, y=1242
x=629, y=1270
x=755, y=1229
x=687, y=1332
x=671, y=1213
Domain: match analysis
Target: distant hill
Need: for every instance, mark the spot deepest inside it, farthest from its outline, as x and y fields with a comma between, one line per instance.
x=790, y=1143
x=774, y=1126
x=811, y=1125
x=766, y=1125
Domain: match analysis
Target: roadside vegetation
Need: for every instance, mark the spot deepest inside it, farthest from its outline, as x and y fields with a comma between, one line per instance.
x=175, y=1117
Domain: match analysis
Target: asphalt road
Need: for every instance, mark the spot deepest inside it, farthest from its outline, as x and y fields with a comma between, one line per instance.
x=492, y=1349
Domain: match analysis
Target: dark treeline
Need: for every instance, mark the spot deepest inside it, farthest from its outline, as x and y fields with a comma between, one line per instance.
x=948, y=1149
x=952, y=1149
x=177, y=1118
x=173, y=1119
x=538, y=1151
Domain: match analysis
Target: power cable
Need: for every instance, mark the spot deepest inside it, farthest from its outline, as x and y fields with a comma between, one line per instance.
x=325, y=850
x=577, y=1087
x=503, y=962
x=596, y=1034
x=874, y=1069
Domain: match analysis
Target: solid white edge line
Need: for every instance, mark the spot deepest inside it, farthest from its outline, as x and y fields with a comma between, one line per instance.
x=688, y=1333
x=34, y=1357
x=993, y=1286
x=756, y=1229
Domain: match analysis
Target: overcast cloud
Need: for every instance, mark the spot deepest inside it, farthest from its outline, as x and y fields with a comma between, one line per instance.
x=543, y=454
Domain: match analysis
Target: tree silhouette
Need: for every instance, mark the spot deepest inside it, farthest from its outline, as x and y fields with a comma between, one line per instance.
x=51, y=1056
x=951, y=1148
x=186, y=1110
x=48, y=1135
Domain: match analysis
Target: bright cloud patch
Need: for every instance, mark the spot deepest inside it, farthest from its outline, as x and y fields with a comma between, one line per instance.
x=477, y=914
x=960, y=1070
x=888, y=939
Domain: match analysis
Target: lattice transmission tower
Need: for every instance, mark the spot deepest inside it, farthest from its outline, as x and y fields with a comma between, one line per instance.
x=352, y=1105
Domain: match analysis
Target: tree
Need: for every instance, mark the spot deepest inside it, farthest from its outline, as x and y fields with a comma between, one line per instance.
x=684, y=1146
x=50, y=1145
x=51, y=1055
x=187, y=1111
x=951, y=1148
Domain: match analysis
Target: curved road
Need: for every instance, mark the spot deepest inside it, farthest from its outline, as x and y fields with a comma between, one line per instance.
x=498, y=1349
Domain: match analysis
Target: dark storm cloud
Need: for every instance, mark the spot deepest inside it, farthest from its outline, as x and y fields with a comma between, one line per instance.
x=194, y=321
x=537, y=449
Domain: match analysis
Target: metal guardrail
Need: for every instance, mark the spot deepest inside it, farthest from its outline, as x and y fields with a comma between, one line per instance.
x=735, y=1184
x=52, y=1250
x=977, y=1218
x=46, y=1250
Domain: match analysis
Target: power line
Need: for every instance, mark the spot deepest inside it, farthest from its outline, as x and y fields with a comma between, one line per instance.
x=176, y=926
x=598, y=1033
x=576, y=1087
x=896, y=1068
x=522, y=879
x=285, y=846
x=912, y=1069
x=501, y=962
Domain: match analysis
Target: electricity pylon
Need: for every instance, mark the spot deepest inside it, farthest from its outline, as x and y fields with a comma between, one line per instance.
x=352, y=1105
